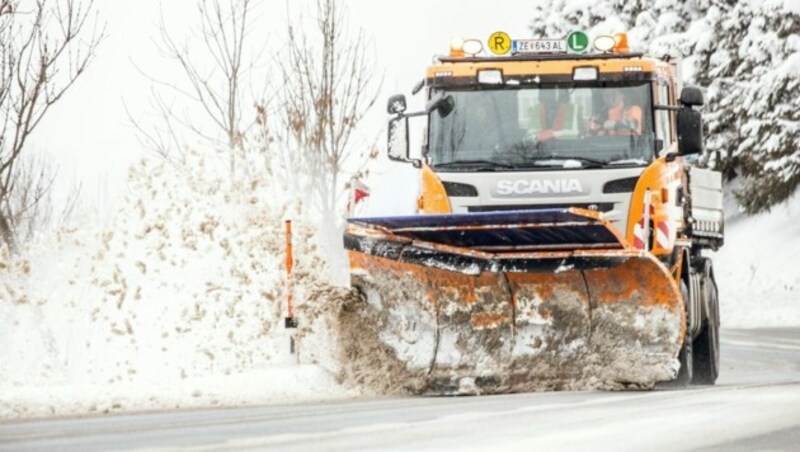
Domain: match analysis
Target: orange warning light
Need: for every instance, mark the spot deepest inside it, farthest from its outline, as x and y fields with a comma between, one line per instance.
x=622, y=43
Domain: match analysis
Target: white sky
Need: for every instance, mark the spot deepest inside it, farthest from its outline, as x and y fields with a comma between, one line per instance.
x=87, y=133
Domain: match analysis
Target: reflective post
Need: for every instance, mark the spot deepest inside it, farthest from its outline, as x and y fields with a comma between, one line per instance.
x=290, y=321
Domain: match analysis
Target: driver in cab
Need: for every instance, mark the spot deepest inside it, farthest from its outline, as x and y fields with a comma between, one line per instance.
x=621, y=118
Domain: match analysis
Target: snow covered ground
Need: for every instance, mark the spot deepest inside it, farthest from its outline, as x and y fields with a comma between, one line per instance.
x=757, y=270
x=179, y=303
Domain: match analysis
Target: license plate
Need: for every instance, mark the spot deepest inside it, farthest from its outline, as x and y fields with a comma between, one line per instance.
x=538, y=46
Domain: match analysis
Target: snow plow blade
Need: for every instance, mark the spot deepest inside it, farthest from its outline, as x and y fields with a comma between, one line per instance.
x=513, y=301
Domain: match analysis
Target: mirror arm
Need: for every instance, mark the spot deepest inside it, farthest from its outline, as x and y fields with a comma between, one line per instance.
x=415, y=114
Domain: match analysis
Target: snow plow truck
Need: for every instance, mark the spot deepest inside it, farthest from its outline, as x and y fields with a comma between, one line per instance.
x=562, y=225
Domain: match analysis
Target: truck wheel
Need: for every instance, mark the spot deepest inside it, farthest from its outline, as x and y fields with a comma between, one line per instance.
x=706, y=345
x=685, y=356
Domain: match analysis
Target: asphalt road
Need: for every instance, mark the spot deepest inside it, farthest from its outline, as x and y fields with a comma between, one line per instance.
x=754, y=406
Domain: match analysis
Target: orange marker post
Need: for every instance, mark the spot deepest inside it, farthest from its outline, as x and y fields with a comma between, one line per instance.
x=290, y=321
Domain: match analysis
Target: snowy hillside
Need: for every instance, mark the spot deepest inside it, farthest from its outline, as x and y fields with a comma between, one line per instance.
x=756, y=270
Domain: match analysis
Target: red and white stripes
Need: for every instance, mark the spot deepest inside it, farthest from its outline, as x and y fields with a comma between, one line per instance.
x=641, y=230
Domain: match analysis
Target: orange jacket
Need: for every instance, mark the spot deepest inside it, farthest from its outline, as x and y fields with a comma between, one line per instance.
x=632, y=113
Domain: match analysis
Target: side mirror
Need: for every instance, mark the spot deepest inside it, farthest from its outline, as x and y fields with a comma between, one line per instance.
x=396, y=104
x=691, y=96
x=418, y=87
x=397, y=145
x=442, y=104
x=690, y=131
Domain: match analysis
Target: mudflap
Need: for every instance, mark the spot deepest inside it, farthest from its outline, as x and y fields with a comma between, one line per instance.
x=584, y=320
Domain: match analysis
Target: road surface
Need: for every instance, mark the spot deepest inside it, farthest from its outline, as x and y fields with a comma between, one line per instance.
x=755, y=405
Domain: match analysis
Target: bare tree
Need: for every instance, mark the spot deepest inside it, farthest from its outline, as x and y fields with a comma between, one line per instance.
x=44, y=48
x=329, y=87
x=215, y=66
x=32, y=202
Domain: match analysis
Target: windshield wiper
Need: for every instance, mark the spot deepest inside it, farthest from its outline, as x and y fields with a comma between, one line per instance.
x=488, y=164
x=563, y=158
x=633, y=161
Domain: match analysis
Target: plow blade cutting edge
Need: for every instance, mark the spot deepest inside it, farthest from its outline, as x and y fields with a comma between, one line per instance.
x=515, y=301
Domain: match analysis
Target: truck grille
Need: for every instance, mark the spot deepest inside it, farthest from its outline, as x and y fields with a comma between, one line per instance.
x=598, y=206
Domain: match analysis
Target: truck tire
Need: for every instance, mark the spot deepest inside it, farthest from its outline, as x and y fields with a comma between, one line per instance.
x=685, y=358
x=706, y=345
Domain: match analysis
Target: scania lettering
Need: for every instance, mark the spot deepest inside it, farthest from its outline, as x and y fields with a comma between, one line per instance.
x=536, y=186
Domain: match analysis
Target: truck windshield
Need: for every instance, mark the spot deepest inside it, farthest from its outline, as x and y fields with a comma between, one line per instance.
x=543, y=126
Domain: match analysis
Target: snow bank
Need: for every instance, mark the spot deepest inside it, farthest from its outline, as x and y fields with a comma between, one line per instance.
x=757, y=271
x=180, y=304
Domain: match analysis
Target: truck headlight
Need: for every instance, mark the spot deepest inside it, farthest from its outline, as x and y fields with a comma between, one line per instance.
x=490, y=77
x=584, y=73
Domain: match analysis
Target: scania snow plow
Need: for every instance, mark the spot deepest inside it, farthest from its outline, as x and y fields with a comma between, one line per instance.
x=561, y=225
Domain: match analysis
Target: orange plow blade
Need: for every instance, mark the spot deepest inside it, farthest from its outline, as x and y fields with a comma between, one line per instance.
x=461, y=319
